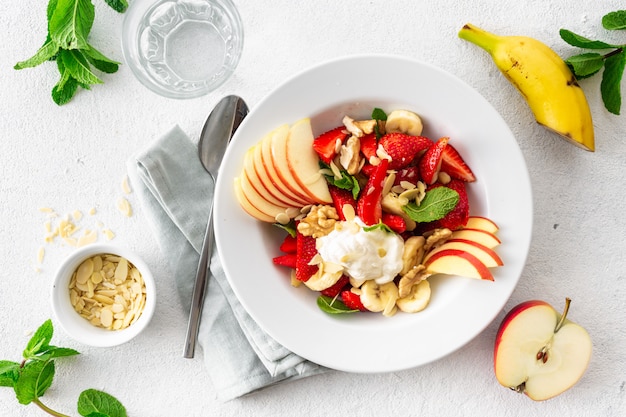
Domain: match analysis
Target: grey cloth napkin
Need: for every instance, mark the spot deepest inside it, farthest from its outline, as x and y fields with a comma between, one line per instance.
x=175, y=194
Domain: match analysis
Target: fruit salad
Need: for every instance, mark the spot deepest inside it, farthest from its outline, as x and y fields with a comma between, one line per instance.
x=371, y=210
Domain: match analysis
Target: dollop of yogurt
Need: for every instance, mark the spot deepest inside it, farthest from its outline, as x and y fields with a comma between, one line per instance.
x=364, y=255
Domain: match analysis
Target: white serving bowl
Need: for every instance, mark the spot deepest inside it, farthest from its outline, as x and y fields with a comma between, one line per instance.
x=80, y=328
x=460, y=308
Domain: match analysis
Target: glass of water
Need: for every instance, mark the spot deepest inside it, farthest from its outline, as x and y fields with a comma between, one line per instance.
x=182, y=48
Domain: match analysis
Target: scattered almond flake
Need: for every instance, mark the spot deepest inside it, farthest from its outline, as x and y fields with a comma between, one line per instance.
x=40, y=254
x=108, y=234
x=48, y=226
x=77, y=215
x=99, y=224
x=92, y=211
x=124, y=206
x=90, y=236
x=70, y=241
x=46, y=210
x=126, y=185
x=37, y=269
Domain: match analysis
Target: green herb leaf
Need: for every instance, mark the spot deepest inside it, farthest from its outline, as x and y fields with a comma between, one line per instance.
x=65, y=89
x=40, y=341
x=582, y=42
x=93, y=403
x=585, y=65
x=436, y=204
x=9, y=373
x=333, y=306
x=101, y=62
x=611, y=82
x=615, y=20
x=78, y=67
x=379, y=226
x=118, y=5
x=71, y=23
x=346, y=182
x=379, y=114
x=34, y=380
x=45, y=53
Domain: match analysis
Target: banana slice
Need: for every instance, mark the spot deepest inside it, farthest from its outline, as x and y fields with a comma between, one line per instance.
x=379, y=297
x=417, y=300
x=404, y=121
x=326, y=276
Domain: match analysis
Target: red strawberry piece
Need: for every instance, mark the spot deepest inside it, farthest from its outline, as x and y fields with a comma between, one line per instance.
x=369, y=145
x=335, y=289
x=326, y=144
x=369, y=207
x=457, y=218
x=394, y=222
x=403, y=148
x=288, y=245
x=288, y=260
x=453, y=164
x=340, y=198
x=305, y=252
x=352, y=300
x=368, y=169
x=410, y=174
x=430, y=163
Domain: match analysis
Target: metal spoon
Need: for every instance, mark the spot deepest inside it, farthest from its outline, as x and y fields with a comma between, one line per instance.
x=216, y=134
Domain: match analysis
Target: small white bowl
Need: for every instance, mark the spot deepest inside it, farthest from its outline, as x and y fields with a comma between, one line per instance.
x=80, y=328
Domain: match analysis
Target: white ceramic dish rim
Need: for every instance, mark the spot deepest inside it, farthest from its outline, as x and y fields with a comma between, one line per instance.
x=460, y=308
x=80, y=329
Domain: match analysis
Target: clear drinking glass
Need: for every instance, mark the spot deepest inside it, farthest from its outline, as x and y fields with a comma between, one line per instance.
x=182, y=48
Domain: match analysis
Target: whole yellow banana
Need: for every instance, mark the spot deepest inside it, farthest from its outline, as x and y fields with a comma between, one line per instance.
x=543, y=79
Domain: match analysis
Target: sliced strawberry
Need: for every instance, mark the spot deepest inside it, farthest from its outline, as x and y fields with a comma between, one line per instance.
x=369, y=206
x=368, y=169
x=335, y=289
x=305, y=252
x=453, y=164
x=288, y=260
x=403, y=148
x=430, y=163
x=369, y=145
x=410, y=174
x=340, y=198
x=394, y=222
x=457, y=218
x=326, y=144
x=288, y=245
x=352, y=300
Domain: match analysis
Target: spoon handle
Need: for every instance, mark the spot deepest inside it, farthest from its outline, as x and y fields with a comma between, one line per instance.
x=199, y=289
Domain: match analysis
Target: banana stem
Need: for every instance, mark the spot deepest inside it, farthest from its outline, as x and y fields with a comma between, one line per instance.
x=479, y=37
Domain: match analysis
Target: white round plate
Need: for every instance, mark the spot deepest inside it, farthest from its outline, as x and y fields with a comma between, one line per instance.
x=460, y=308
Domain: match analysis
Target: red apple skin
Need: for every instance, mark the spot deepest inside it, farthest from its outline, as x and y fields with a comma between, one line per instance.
x=480, y=268
x=514, y=312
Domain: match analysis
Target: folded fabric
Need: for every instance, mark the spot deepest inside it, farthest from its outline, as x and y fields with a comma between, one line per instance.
x=175, y=194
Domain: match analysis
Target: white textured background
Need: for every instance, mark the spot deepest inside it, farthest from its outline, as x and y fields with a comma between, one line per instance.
x=72, y=157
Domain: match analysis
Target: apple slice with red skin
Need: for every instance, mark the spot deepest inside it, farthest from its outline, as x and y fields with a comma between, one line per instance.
x=480, y=236
x=255, y=181
x=486, y=255
x=247, y=206
x=481, y=223
x=457, y=262
x=303, y=161
x=257, y=200
x=539, y=352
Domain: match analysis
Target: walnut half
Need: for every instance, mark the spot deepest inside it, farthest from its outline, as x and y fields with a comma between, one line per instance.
x=319, y=222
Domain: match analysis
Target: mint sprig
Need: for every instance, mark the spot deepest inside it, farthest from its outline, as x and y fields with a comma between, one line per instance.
x=345, y=181
x=31, y=378
x=613, y=61
x=69, y=25
x=333, y=305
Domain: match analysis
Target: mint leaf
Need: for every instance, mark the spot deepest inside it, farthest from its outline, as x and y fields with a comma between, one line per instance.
x=65, y=89
x=345, y=182
x=9, y=372
x=333, y=306
x=379, y=114
x=118, y=5
x=615, y=20
x=586, y=64
x=582, y=42
x=78, y=67
x=101, y=62
x=93, y=403
x=379, y=226
x=289, y=227
x=47, y=51
x=435, y=205
x=35, y=379
x=71, y=23
x=40, y=341
x=611, y=82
